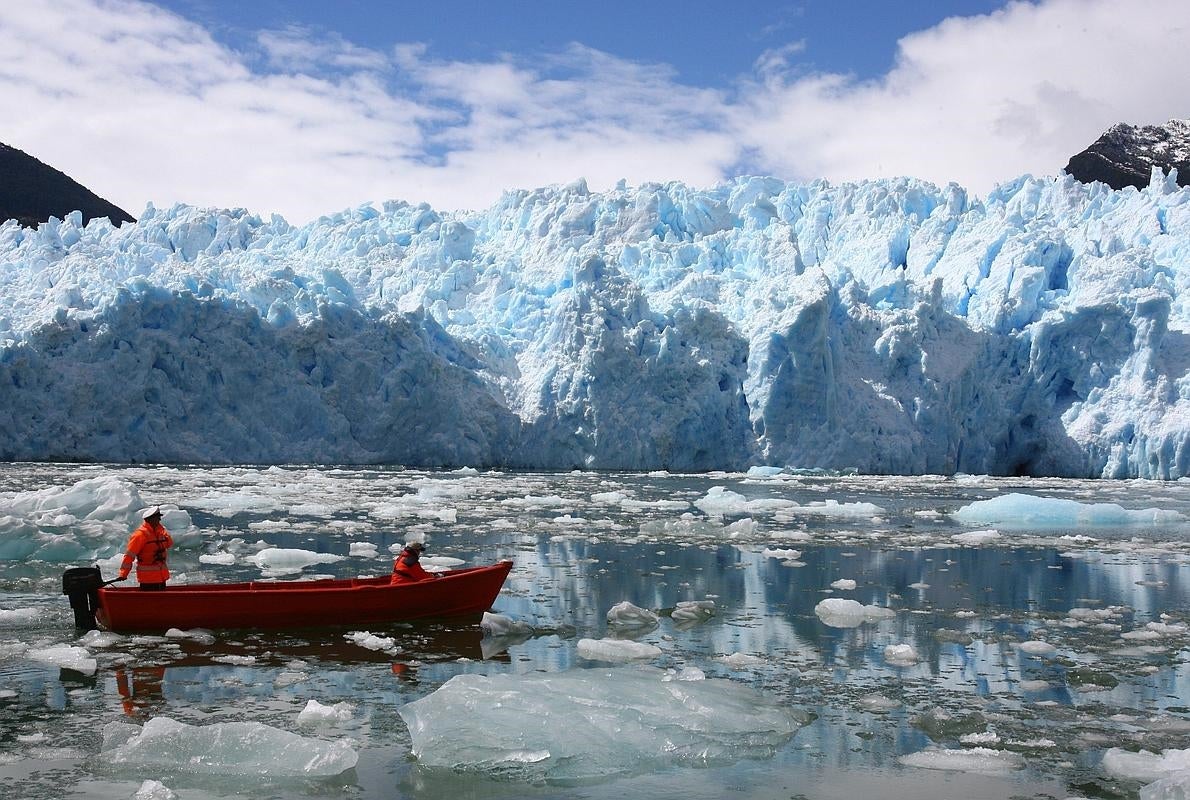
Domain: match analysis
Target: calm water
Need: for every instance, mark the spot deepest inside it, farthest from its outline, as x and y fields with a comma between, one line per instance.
x=583, y=542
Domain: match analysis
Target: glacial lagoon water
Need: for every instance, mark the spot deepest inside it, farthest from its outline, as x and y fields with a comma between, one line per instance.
x=1009, y=665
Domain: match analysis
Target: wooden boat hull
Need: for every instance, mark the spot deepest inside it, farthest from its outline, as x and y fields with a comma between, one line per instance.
x=301, y=604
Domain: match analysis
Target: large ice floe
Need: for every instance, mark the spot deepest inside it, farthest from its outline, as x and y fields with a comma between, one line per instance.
x=887, y=326
x=592, y=724
x=87, y=520
x=224, y=748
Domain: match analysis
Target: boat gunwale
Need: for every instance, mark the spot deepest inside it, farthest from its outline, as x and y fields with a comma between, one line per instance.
x=300, y=586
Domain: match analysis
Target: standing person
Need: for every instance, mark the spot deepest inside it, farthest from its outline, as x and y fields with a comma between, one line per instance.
x=407, y=567
x=147, y=546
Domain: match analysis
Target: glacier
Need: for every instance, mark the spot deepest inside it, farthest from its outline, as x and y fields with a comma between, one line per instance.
x=886, y=326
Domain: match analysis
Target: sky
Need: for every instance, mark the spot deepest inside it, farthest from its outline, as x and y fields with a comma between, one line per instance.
x=306, y=108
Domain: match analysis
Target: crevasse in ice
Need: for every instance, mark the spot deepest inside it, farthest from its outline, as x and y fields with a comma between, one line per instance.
x=888, y=326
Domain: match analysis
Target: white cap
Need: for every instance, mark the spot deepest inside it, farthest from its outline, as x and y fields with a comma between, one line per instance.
x=145, y=513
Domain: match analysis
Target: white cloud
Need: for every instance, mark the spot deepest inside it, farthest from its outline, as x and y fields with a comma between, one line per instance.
x=140, y=104
x=981, y=100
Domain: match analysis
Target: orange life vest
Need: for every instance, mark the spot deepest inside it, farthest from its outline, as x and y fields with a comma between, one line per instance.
x=147, y=547
x=407, y=569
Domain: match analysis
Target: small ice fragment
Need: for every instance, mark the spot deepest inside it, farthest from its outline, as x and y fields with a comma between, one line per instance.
x=363, y=550
x=370, y=641
x=239, y=661
x=987, y=737
x=976, y=759
x=784, y=554
x=901, y=655
x=920, y=586
x=837, y=612
x=154, y=790
x=501, y=625
x=740, y=661
x=625, y=614
x=1037, y=648
x=844, y=584
x=684, y=674
x=878, y=702
x=693, y=610
x=976, y=538
x=315, y=713
x=616, y=650
x=67, y=657
x=225, y=559
x=199, y=635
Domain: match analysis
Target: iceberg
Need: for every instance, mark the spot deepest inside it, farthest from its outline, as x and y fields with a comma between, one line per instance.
x=1015, y=510
x=837, y=612
x=885, y=326
x=223, y=748
x=587, y=725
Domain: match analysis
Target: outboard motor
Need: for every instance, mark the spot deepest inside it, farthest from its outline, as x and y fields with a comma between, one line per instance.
x=81, y=585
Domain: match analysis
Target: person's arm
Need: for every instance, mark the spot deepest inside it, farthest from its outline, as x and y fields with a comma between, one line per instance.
x=130, y=553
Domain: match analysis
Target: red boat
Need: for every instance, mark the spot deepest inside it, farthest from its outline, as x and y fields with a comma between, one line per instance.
x=300, y=604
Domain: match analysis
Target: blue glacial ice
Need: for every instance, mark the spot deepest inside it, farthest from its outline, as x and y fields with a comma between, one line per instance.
x=887, y=326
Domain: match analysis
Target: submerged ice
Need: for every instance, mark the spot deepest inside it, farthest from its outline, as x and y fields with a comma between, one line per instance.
x=591, y=724
x=886, y=326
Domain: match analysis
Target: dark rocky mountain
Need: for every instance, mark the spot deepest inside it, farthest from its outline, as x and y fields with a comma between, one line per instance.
x=1126, y=154
x=32, y=192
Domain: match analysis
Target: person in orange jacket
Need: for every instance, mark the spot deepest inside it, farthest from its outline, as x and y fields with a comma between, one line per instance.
x=407, y=567
x=147, y=547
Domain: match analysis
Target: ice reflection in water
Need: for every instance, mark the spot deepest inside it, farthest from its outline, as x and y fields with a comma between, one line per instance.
x=1021, y=643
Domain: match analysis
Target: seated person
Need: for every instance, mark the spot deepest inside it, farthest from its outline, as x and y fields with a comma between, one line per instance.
x=407, y=567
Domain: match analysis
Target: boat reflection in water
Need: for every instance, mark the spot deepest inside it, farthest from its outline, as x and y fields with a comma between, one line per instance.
x=264, y=664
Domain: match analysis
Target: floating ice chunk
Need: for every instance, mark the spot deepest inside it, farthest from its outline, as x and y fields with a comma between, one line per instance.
x=986, y=737
x=370, y=641
x=617, y=651
x=289, y=678
x=282, y=561
x=154, y=790
x=720, y=501
x=878, y=702
x=693, y=611
x=1174, y=787
x=19, y=616
x=239, y=661
x=1167, y=628
x=535, y=501
x=225, y=559
x=444, y=562
x=1028, y=511
x=975, y=759
x=901, y=655
x=764, y=472
x=920, y=586
x=838, y=612
x=32, y=738
x=502, y=625
x=788, y=555
x=316, y=713
x=844, y=584
x=67, y=657
x=1145, y=765
x=684, y=674
x=626, y=615
x=592, y=724
x=200, y=635
x=834, y=508
x=224, y=748
x=740, y=661
x=976, y=538
x=363, y=550
x=1036, y=648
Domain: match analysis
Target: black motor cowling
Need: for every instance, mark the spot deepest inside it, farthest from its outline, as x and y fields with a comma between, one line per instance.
x=81, y=585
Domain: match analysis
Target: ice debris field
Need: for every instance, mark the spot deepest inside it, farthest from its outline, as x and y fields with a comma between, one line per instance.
x=887, y=326
x=1031, y=633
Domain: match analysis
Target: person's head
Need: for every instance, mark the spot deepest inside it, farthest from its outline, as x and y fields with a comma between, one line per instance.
x=151, y=514
x=417, y=547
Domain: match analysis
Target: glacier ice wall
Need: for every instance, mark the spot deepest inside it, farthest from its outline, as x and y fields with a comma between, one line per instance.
x=887, y=326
